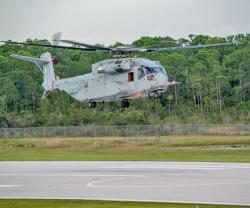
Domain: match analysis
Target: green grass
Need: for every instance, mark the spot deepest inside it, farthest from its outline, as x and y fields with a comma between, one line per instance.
x=4, y=203
x=168, y=148
x=95, y=142
x=135, y=155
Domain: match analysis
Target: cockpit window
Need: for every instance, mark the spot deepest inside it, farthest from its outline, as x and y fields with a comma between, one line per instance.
x=145, y=70
x=141, y=73
x=151, y=70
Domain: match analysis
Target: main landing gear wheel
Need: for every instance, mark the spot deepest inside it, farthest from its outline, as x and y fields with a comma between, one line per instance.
x=125, y=104
x=92, y=104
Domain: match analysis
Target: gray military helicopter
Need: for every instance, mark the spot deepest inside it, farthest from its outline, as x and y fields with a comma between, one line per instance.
x=122, y=78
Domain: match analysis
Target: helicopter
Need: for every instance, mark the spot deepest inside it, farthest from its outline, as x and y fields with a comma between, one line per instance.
x=122, y=78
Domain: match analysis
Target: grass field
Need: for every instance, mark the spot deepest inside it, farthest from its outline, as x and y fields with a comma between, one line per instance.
x=168, y=148
x=97, y=204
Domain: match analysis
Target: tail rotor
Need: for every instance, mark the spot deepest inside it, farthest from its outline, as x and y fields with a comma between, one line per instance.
x=55, y=41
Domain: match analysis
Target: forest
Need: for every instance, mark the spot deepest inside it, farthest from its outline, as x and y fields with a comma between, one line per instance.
x=214, y=86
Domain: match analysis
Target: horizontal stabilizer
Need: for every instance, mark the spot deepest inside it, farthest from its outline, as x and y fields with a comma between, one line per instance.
x=37, y=61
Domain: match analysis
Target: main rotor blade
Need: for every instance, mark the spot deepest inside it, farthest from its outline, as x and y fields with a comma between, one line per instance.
x=188, y=47
x=120, y=50
x=85, y=45
x=50, y=46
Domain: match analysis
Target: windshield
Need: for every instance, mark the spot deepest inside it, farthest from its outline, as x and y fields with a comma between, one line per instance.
x=150, y=70
x=154, y=70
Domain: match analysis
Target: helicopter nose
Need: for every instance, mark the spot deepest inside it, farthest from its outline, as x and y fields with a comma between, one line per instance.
x=162, y=80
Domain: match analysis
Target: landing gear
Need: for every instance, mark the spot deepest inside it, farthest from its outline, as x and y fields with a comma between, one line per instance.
x=92, y=104
x=125, y=104
x=157, y=95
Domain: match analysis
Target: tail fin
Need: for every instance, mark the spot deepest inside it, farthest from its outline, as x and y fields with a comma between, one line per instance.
x=45, y=65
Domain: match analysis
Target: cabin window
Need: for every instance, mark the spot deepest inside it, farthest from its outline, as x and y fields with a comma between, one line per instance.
x=141, y=73
x=131, y=76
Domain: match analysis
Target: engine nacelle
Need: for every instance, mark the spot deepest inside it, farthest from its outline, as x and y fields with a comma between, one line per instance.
x=117, y=66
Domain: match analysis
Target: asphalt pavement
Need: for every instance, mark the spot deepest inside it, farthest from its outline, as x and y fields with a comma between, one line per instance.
x=213, y=183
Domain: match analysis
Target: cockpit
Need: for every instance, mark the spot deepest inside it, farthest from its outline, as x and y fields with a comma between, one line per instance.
x=150, y=72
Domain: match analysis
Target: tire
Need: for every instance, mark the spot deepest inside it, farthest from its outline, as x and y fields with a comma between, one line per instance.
x=156, y=96
x=93, y=104
x=160, y=95
x=127, y=104
x=123, y=104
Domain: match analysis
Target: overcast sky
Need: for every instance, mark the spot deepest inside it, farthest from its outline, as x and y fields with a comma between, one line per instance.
x=109, y=21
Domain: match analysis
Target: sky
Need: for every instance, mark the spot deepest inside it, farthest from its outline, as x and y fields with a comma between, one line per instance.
x=110, y=21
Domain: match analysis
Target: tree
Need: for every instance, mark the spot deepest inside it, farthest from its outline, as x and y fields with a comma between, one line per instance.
x=214, y=86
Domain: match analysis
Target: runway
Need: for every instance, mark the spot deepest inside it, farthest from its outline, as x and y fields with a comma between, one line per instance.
x=214, y=183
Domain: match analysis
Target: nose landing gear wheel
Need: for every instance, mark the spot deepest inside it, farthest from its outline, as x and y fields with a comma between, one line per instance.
x=158, y=95
x=155, y=95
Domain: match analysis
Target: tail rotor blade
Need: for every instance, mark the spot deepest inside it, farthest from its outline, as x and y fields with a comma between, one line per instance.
x=55, y=41
x=56, y=38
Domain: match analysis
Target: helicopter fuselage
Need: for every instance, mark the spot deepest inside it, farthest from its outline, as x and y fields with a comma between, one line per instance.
x=117, y=79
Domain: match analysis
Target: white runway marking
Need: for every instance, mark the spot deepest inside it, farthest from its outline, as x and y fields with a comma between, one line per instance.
x=171, y=168
x=176, y=167
x=65, y=175
x=94, y=184
x=10, y=186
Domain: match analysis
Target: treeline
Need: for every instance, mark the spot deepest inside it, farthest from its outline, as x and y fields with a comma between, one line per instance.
x=214, y=86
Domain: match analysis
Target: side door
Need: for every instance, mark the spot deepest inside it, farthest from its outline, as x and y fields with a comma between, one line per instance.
x=131, y=78
x=141, y=80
